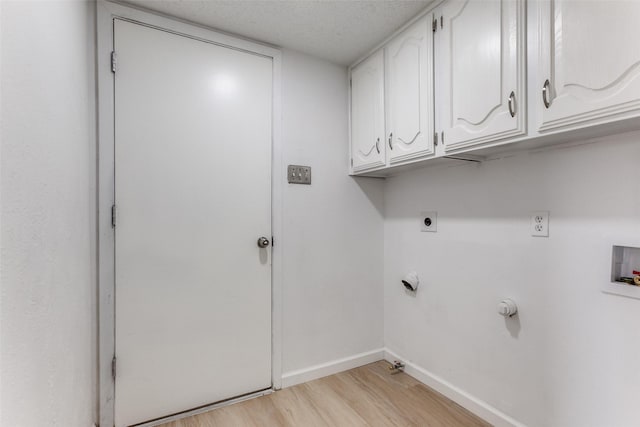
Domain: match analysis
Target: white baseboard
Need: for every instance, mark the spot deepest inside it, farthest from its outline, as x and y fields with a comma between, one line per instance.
x=318, y=371
x=462, y=398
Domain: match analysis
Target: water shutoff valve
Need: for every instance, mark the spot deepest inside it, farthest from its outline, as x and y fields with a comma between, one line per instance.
x=507, y=308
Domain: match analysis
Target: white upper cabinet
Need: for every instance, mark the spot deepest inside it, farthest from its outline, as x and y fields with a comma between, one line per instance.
x=367, y=113
x=454, y=82
x=481, y=51
x=589, y=62
x=410, y=93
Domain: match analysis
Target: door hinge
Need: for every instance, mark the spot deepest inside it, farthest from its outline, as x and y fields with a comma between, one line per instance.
x=442, y=138
x=435, y=138
x=114, y=214
x=350, y=82
x=441, y=22
x=352, y=162
x=434, y=25
x=114, y=61
x=113, y=368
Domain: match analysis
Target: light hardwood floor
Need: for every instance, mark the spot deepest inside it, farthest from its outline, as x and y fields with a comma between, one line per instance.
x=365, y=396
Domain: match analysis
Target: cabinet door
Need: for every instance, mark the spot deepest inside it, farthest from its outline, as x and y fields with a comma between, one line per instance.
x=589, y=62
x=482, y=54
x=410, y=92
x=367, y=113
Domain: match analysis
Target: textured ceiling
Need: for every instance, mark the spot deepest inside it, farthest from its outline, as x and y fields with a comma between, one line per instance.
x=339, y=31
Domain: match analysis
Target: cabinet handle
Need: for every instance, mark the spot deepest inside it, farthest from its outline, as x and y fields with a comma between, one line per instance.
x=545, y=93
x=390, y=136
x=377, y=147
x=512, y=104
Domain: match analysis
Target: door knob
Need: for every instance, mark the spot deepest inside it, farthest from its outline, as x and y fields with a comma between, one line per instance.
x=263, y=242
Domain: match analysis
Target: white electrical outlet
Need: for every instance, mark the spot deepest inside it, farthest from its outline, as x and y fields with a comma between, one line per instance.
x=428, y=221
x=540, y=224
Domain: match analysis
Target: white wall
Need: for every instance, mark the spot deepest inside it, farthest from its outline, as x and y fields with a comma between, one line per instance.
x=47, y=299
x=570, y=358
x=567, y=360
x=332, y=238
x=333, y=229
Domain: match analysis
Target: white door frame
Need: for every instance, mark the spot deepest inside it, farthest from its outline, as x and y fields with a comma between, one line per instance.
x=106, y=13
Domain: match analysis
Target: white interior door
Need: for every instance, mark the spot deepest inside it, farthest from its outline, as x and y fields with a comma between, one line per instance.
x=193, y=194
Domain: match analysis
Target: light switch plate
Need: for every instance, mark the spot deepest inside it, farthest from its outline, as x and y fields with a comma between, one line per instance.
x=297, y=174
x=429, y=221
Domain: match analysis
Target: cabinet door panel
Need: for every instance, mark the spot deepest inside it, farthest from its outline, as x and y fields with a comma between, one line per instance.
x=482, y=55
x=410, y=91
x=589, y=53
x=470, y=72
x=367, y=113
